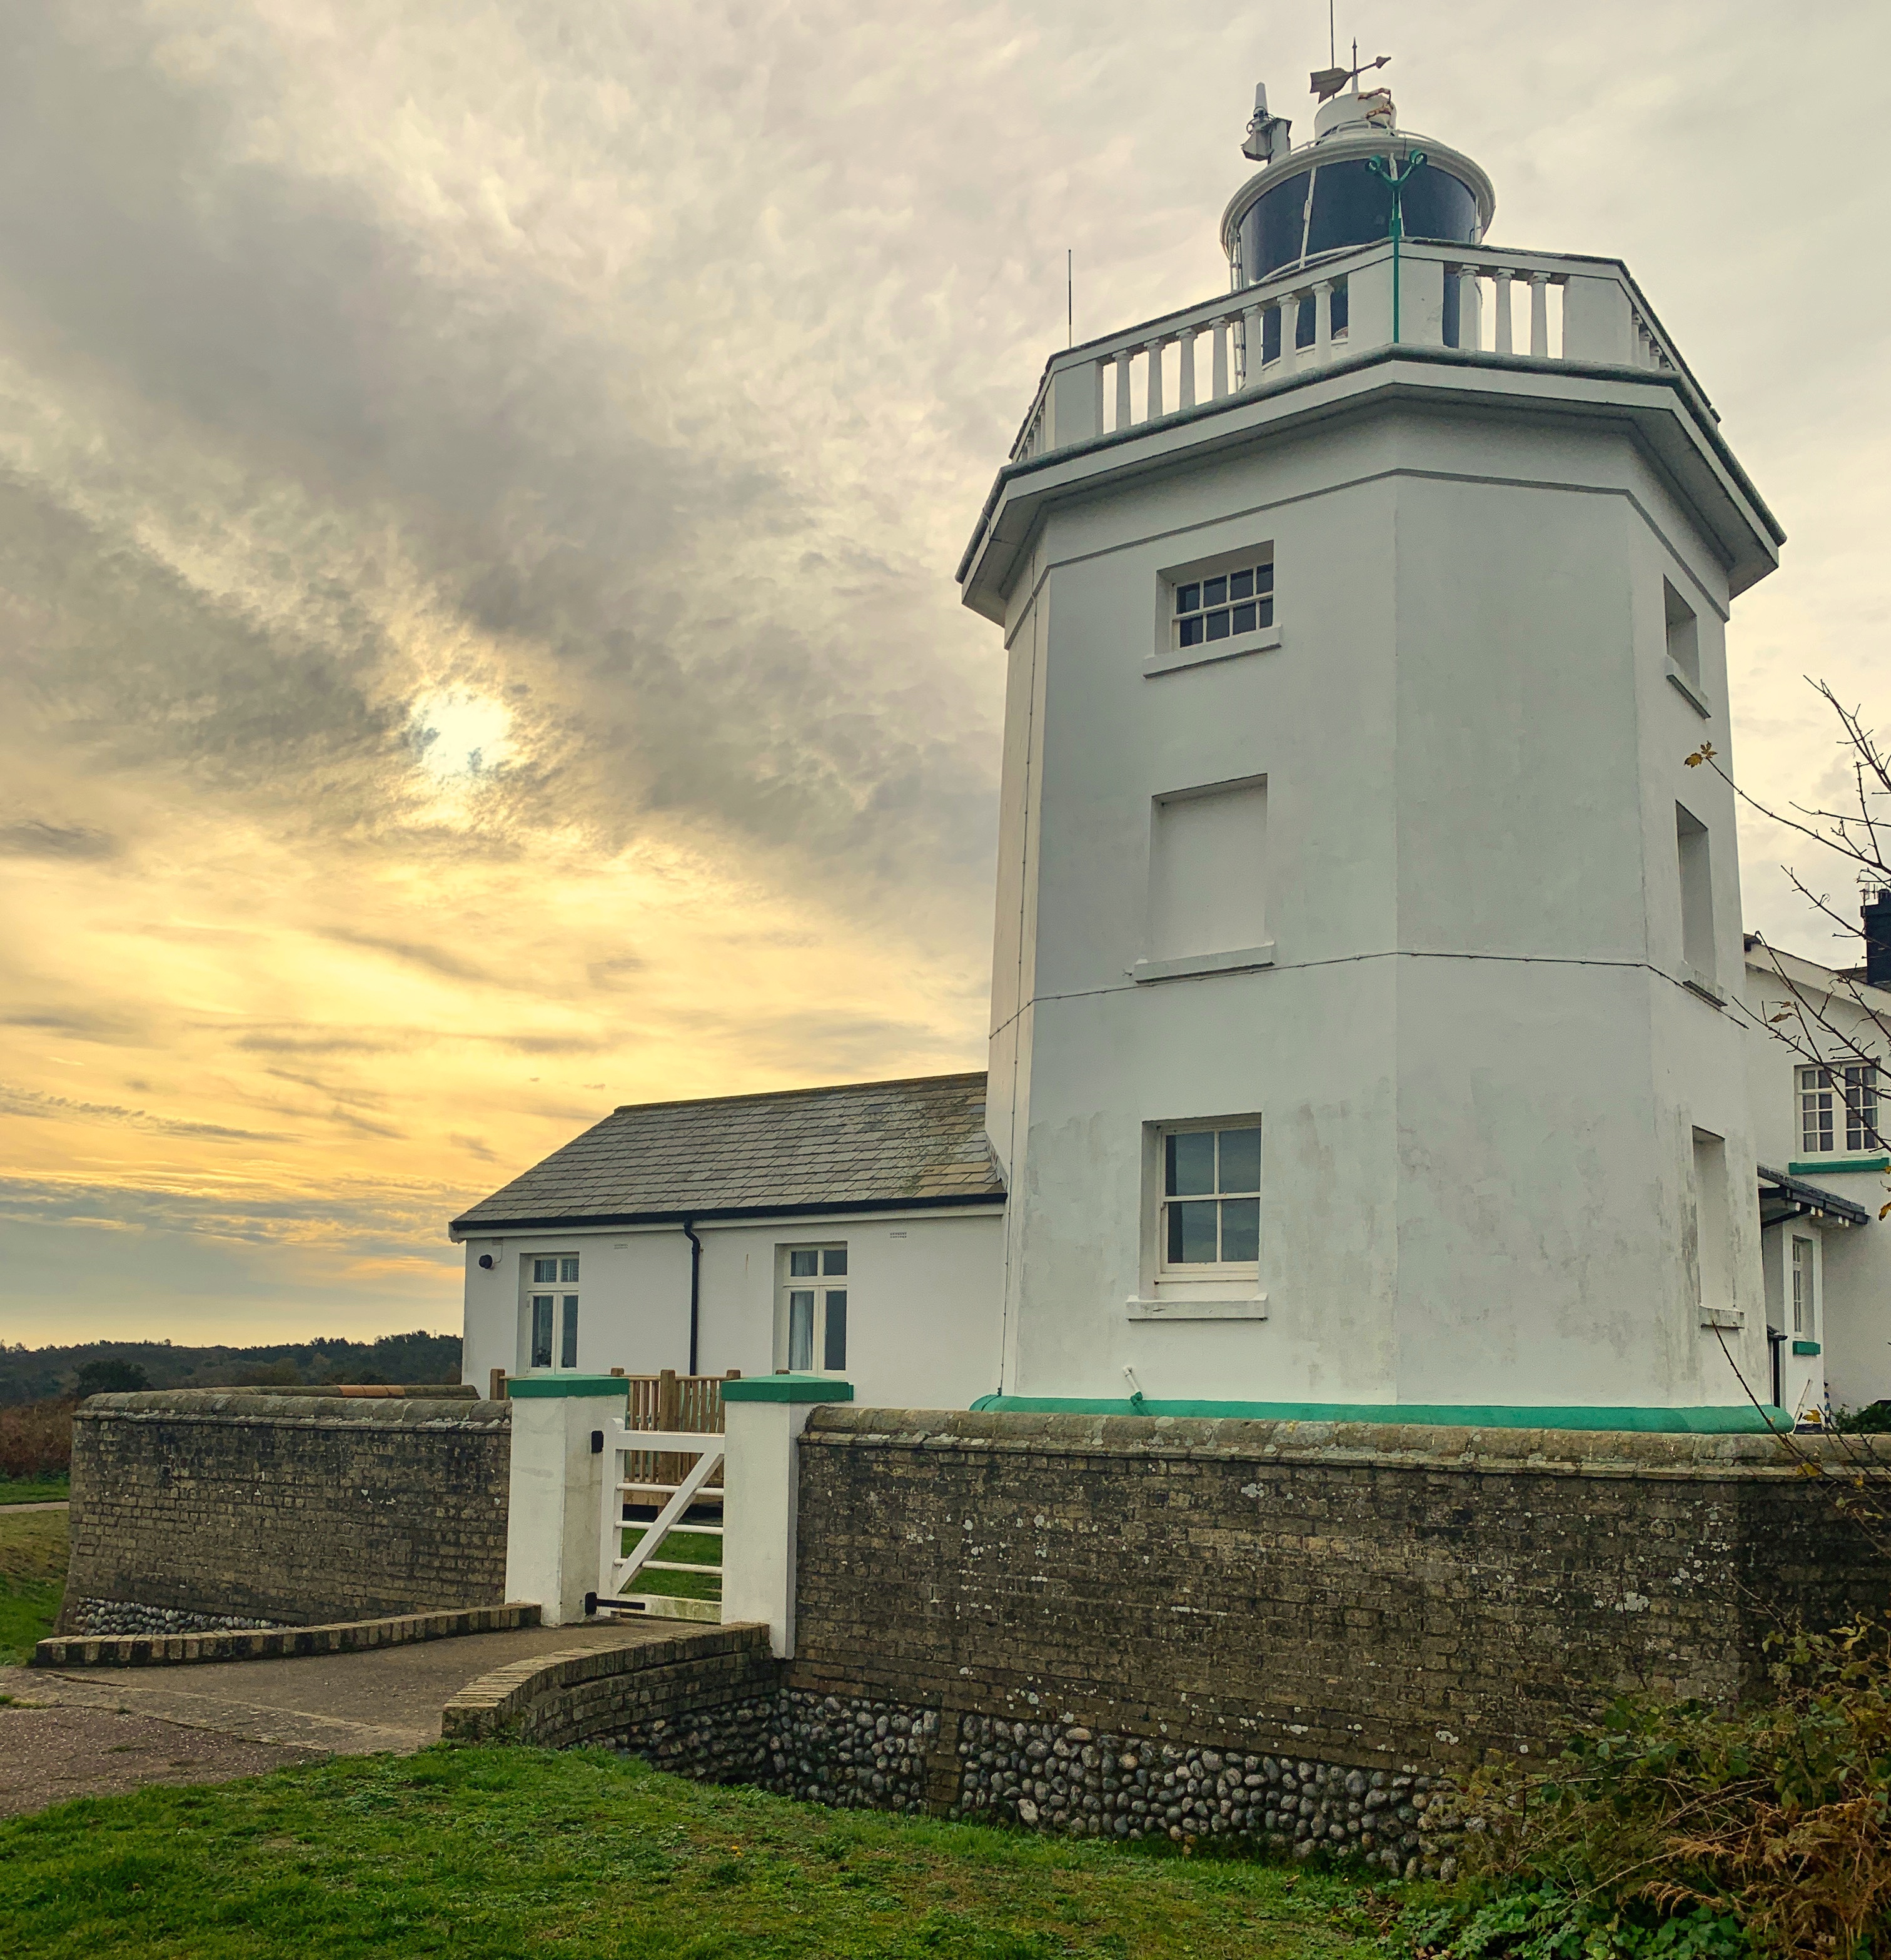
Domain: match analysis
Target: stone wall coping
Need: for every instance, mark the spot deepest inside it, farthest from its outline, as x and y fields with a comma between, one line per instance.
x=1391, y=1445
x=495, y=1701
x=278, y=1643
x=299, y=1411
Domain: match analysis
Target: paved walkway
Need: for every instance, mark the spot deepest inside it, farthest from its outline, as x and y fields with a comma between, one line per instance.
x=86, y=1730
x=50, y=1504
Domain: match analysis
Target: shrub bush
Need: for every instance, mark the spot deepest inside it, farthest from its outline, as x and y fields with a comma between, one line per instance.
x=1671, y=1830
x=36, y=1440
x=111, y=1378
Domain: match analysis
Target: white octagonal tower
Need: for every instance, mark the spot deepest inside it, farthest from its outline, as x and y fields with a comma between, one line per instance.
x=1359, y=1010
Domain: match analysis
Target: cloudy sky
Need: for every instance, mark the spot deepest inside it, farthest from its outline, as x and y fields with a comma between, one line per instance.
x=479, y=489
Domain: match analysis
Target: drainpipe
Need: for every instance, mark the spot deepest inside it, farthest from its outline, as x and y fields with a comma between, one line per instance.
x=695, y=1286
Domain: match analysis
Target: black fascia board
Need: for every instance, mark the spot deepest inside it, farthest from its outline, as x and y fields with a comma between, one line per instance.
x=486, y=1228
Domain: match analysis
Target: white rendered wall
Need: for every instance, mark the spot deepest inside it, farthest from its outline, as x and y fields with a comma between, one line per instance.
x=1855, y=1338
x=924, y=1295
x=1478, y=1071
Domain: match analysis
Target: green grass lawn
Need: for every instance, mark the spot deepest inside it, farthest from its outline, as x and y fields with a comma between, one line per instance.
x=682, y=1547
x=33, y=1557
x=33, y=1489
x=515, y=1852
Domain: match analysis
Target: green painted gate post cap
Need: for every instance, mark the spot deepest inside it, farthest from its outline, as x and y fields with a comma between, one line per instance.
x=787, y=1389
x=530, y=1388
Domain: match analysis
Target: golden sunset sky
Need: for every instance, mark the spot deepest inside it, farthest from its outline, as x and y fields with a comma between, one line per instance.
x=480, y=486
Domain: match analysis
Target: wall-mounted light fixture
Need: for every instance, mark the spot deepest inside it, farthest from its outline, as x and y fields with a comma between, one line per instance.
x=485, y=1262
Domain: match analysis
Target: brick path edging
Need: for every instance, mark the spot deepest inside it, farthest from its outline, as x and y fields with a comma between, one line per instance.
x=277, y=1643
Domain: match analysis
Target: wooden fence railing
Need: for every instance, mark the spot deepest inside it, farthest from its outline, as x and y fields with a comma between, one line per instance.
x=668, y=1400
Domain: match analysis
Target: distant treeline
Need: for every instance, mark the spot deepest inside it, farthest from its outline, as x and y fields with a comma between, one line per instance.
x=34, y=1374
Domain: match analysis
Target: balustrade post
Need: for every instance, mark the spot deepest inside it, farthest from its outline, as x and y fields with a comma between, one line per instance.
x=1219, y=358
x=1123, y=416
x=1185, y=391
x=1539, y=315
x=1470, y=308
x=1153, y=407
x=1289, y=331
x=1076, y=405
x=1322, y=321
x=1255, y=342
x=1504, y=333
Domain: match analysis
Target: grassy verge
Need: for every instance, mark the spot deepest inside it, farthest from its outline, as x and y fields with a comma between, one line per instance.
x=33, y=1489
x=33, y=1556
x=479, y=1852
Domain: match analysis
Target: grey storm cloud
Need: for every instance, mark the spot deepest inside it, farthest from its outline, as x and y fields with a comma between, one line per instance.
x=585, y=480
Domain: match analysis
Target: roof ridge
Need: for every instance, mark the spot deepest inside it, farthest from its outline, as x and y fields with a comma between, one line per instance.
x=782, y=1095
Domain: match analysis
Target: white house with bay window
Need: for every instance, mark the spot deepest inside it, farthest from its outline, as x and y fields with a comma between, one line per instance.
x=1372, y=1030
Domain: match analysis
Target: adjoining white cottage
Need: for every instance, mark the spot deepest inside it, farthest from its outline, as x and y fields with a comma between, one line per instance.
x=1367, y=1025
x=1823, y=1179
x=855, y=1230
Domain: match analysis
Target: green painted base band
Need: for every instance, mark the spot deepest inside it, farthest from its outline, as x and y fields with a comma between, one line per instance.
x=1805, y=1347
x=1829, y=1166
x=787, y=1389
x=531, y=1388
x=1441, y=1415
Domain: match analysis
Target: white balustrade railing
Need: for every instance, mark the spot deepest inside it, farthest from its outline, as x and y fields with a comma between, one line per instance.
x=1534, y=306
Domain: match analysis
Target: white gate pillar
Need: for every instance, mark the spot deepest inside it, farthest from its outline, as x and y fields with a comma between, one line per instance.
x=763, y=1417
x=558, y=1488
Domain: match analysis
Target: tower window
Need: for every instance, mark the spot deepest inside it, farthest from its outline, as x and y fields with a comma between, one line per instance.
x=1712, y=1250
x=811, y=1323
x=1683, y=635
x=1208, y=856
x=1838, y=1101
x=1226, y=606
x=1210, y=1204
x=1697, y=892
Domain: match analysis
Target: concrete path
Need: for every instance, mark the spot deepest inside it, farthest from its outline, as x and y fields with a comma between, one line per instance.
x=50, y=1504
x=86, y=1730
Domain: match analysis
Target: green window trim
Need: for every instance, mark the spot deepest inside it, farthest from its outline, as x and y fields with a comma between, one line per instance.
x=1812, y=1167
x=1805, y=1347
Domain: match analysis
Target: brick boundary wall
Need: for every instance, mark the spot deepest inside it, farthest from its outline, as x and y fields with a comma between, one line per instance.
x=210, y=1505
x=1282, y=1634
x=1310, y=1600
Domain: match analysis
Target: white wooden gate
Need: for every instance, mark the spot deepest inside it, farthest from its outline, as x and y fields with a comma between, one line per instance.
x=700, y=1488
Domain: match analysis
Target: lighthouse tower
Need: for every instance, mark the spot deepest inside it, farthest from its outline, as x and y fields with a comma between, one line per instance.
x=1362, y=1032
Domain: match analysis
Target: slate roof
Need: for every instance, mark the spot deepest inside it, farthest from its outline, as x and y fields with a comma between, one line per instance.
x=862, y=1145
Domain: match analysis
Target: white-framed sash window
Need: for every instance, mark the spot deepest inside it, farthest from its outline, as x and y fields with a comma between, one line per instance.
x=1209, y=1219
x=551, y=1312
x=811, y=1335
x=1805, y=1301
x=1839, y=1103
